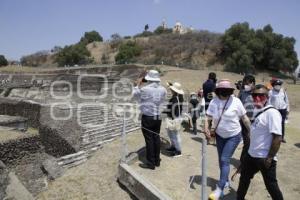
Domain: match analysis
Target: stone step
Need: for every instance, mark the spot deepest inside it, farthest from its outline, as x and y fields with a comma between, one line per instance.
x=86, y=125
x=74, y=164
x=107, y=127
x=100, y=118
x=98, y=135
x=94, y=114
x=86, y=112
x=87, y=109
x=70, y=161
x=95, y=143
x=71, y=156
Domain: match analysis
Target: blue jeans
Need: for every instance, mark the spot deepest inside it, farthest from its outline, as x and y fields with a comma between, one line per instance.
x=226, y=148
x=175, y=139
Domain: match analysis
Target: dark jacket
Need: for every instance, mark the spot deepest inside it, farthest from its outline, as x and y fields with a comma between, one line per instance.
x=174, y=109
x=208, y=87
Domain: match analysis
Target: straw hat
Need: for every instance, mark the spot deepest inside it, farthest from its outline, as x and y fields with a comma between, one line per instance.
x=153, y=75
x=176, y=87
x=224, y=83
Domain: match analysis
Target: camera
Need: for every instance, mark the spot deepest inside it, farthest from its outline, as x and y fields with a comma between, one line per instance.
x=239, y=84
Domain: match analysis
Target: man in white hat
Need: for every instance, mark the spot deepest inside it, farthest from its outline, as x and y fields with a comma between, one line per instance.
x=151, y=97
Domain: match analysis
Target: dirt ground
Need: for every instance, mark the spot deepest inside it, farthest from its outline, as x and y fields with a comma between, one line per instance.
x=96, y=179
x=180, y=178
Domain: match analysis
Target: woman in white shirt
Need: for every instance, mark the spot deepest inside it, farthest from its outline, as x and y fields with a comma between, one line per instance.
x=223, y=121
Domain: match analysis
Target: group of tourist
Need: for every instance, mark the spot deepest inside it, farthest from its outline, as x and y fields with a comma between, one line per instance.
x=256, y=116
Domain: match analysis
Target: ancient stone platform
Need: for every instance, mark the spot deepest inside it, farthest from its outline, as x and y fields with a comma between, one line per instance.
x=19, y=123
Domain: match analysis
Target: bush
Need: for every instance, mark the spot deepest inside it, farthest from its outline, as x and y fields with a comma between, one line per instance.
x=144, y=34
x=127, y=52
x=161, y=30
x=3, y=61
x=35, y=59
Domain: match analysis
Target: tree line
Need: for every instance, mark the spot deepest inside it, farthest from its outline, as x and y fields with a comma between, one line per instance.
x=241, y=49
x=246, y=50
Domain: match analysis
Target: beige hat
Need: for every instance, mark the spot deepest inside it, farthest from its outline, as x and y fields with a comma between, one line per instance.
x=176, y=87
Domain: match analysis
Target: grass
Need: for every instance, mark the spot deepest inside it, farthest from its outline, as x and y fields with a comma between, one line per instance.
x=192, y=80
x=22, y=69
x=7, y=135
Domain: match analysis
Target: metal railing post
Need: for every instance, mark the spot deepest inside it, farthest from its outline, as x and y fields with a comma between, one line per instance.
x=124, y=150
x=204, y=166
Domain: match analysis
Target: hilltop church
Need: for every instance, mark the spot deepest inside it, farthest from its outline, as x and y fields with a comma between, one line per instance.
x=178, y=28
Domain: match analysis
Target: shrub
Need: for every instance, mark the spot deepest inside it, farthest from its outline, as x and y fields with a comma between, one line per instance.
x=127, y=52
x=3, y=61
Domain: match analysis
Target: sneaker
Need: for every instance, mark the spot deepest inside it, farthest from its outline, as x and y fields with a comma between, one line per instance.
x=176, y=154
x=227, y=185
x=216, y=194
x=171, y=149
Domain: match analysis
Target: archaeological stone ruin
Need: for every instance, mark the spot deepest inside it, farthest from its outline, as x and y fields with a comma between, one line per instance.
x=54, y=120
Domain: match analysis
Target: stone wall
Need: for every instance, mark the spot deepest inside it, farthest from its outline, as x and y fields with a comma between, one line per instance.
x=14, y=150
x=54, y=143
x=60, y=137
x=23, y=108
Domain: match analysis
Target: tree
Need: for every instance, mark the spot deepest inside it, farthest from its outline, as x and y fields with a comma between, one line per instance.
x=92, y=36
x=3, y=61
x=127, y=52
x=73, y=55
x=116, y=40
x=56, y=49
x=245, y=49
x=115, y=36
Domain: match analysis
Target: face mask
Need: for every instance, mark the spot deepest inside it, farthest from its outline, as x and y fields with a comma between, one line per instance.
x=247, y=88
x=259, y=100
x=277, y=87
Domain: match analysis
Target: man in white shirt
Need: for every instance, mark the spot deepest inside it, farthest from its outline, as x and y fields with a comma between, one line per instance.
x=151, y=98
x=265, y=139
x=279, y=99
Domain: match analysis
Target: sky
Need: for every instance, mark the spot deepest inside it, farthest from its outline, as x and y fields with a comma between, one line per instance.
x=28, y=26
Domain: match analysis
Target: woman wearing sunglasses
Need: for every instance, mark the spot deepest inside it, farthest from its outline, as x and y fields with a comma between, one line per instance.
x=223, y=121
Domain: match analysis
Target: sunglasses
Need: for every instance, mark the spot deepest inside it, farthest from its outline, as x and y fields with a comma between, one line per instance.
x=258, y=94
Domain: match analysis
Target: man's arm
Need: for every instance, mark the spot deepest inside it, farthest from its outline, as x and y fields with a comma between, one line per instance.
x=136, y=90
x=276, y=141
x=247, y=124
x=274, y=146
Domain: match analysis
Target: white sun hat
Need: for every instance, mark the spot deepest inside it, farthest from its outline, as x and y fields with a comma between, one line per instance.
x=176, y=87
x=152, y=75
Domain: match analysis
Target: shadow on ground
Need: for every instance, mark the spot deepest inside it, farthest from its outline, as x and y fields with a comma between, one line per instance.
x=297, y=145
x=199, y=139
x=211, y=182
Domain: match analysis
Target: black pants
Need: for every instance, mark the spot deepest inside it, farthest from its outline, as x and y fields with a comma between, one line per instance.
x=194, y=120
x=245, y=141
x=283, y=113
x=250, y=166
x=151, y=129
